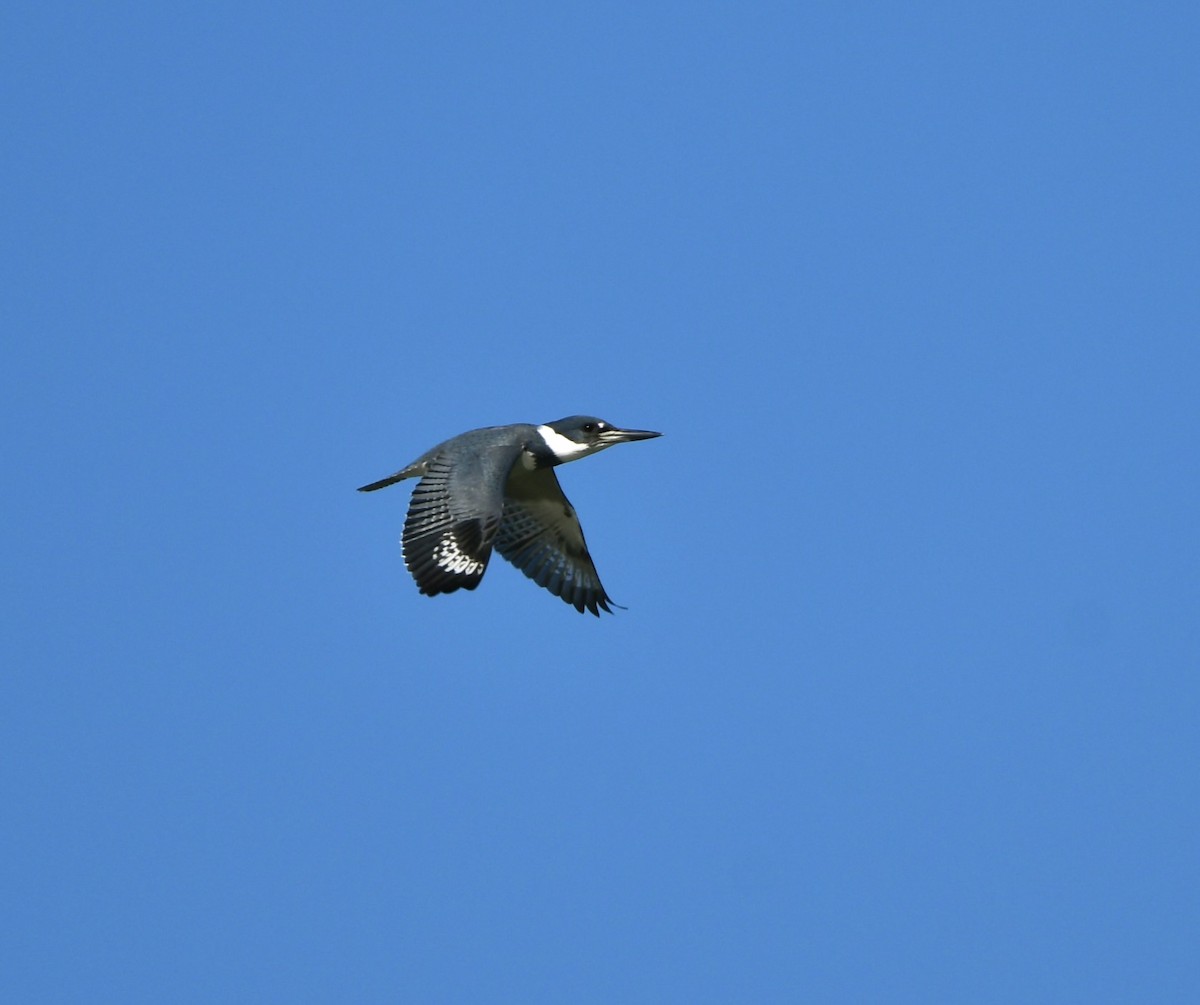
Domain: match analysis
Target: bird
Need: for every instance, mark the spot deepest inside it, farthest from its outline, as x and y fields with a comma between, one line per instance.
x=496, y=488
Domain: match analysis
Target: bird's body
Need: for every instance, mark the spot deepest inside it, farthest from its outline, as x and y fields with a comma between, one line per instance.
x=496, y=488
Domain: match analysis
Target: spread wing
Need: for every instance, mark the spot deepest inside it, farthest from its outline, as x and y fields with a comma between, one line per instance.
x=452, y=520
x=541, y=536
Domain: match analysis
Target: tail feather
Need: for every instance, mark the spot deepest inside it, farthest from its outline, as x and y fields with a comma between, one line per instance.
x=383, y=483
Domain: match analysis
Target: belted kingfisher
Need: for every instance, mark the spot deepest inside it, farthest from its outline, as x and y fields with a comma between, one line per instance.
x=496, y=487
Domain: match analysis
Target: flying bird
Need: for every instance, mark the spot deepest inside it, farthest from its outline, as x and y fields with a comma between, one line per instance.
x=496, y=488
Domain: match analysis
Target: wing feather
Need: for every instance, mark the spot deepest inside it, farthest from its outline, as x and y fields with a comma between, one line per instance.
x=452, y=520
x=540, y=534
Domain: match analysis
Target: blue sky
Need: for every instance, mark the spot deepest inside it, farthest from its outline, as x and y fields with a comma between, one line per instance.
x=904, y=706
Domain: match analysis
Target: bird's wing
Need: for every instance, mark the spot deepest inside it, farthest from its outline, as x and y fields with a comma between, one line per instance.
x=541, y=536
x=452, y=519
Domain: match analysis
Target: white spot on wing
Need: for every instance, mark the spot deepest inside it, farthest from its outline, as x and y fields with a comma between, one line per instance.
x=449, y=557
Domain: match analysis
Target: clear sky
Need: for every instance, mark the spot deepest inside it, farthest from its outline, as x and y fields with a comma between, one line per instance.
x=904, y=707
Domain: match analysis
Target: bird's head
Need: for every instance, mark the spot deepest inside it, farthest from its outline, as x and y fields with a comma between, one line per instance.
x=580, y=435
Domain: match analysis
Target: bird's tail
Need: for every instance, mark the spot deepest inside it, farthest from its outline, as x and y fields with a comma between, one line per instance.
x=383, y=483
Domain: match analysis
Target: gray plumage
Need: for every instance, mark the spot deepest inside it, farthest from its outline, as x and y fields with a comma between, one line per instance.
x=496, y=488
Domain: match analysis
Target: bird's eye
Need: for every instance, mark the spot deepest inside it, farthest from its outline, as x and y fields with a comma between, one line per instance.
x=589, y=427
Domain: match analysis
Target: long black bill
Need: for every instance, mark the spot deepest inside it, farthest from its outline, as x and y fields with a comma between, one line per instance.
x=627, y=435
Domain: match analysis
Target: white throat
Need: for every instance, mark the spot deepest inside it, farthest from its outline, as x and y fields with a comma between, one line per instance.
x=563, y=447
